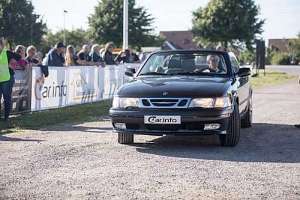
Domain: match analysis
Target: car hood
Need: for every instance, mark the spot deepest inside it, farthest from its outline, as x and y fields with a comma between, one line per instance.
x=176, y=87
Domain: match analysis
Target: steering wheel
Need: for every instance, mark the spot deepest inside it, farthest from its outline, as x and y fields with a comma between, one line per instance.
x=201, y=70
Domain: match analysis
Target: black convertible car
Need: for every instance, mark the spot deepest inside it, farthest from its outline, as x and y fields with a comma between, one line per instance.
x=185, y=93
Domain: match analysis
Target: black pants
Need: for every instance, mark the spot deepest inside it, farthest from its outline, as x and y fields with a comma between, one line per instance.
x=6, y=92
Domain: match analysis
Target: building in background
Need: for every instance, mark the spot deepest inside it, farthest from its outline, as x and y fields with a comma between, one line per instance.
x=178, y=40
x=280, y=45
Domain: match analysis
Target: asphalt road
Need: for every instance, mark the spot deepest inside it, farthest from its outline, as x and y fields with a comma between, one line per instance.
x=84, y=161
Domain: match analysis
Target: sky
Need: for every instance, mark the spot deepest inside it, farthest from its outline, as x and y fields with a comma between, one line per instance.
x=282, y=16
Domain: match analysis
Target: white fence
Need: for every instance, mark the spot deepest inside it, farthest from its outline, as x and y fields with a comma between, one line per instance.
x=67, y=86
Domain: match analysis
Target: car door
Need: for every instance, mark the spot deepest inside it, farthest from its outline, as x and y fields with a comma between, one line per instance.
x=243, y=84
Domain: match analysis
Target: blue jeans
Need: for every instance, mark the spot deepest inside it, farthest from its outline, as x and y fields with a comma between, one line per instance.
x=6, y=92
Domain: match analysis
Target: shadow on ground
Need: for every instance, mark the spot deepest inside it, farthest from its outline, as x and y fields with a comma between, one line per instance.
x=81, y=128
x=67, y=127
x=261, y=143
x=14, y=139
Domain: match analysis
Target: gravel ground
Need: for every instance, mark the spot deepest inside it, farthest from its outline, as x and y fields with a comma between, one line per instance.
x=84, y=161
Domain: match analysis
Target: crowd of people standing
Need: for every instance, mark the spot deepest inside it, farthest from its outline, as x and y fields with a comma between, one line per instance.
x=22, y=58
x=61, y=56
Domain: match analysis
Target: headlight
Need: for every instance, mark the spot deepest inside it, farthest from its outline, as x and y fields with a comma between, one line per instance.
x=220, y=102
x=202, y=103
x=119, y=102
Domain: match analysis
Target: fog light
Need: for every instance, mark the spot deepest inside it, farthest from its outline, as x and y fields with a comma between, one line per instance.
x=211, y=126
x=120, y=125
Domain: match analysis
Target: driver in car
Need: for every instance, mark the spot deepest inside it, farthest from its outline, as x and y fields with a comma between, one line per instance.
x=213, y=63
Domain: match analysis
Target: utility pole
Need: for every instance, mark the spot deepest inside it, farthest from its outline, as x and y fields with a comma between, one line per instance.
x=31, y=33
x=65, y=12
x=125, y=24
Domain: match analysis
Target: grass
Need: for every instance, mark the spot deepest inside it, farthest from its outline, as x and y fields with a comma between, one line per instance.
x=271, y=78
x=92, y=112
x=73, y=114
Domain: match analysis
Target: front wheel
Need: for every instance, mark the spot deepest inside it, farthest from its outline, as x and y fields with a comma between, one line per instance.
x=247, y=121
x=233, y=133
x=124, y=138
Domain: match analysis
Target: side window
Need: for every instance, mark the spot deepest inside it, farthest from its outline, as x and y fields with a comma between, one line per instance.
x=234, y=63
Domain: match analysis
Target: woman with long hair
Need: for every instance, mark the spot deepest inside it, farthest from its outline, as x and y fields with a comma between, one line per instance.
x=108, y=54
x=95, y=56
x=22, y=63
x=71, y=58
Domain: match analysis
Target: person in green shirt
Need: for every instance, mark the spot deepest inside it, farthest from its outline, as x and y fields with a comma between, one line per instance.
x=6, y=77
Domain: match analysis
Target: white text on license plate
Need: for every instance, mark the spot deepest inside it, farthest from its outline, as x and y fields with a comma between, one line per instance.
x=154, y=119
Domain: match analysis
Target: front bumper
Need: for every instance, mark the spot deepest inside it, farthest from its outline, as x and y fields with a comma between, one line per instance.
x=193, y=121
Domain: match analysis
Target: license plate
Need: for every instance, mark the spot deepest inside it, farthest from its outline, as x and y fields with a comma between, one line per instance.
x=154, y=119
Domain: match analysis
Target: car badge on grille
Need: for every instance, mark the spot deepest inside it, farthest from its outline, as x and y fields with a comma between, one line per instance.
x=165, y=93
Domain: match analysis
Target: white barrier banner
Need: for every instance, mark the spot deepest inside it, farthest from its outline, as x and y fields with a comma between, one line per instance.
x=111, y=81
x=50, y=92
x=75, y=85
x=82, y=85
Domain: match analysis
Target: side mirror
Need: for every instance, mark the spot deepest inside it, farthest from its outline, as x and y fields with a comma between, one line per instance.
x=130, y=71
x=244, y=72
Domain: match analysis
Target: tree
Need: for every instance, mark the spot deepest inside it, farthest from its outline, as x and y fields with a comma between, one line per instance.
x=233, y=22
x=247, y=57
x=19, y=24
x=294, y=49
x=106, y=24
x=76, y=38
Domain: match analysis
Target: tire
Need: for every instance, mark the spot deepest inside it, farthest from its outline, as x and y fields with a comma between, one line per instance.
x=232, y=137
x=125, y=138
x=246, y=122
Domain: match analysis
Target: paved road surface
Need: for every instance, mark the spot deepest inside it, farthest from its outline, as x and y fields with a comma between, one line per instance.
x=84, y=161
x=291, y=69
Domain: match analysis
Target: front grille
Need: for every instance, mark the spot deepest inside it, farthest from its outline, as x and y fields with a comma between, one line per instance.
x=188, y=126
x=146, y=102
x=165, y=102
x=159, y=127
x=192, y=126
x=183, y=103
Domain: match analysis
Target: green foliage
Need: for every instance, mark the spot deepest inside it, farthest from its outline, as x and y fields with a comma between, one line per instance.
x=106, y=24
x=269, y=56
x=19, y=24
x=294, y=49
x=280, y=59
x=271, y=78
x=247, y=57
x=227, y=22
x=77, y=38
x=73, y=114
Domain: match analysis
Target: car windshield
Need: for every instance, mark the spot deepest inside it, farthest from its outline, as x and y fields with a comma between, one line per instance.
x=203, y=63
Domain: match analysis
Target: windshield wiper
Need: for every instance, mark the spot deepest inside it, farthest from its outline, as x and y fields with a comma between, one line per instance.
x=153, y=73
